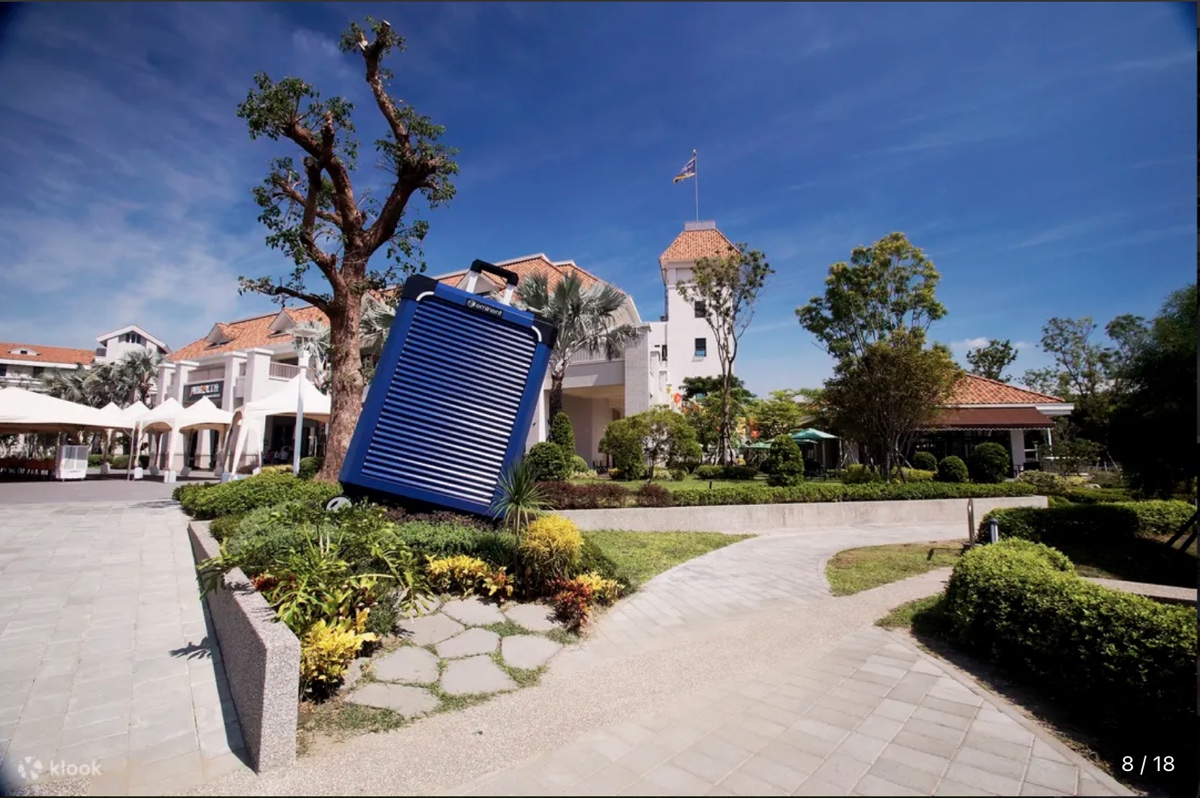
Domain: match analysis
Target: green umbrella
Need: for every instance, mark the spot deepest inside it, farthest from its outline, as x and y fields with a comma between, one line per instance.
x=811, y=435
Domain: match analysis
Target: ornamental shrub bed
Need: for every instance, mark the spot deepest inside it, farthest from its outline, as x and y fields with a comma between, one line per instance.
x=1126, y=659
x=206, y=501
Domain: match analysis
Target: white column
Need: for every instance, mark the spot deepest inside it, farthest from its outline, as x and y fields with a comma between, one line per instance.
x=299, y=429
x=1017, y=441
x=175, y=463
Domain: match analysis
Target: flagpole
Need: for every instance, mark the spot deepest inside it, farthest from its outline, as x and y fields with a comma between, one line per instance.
x=696, y=184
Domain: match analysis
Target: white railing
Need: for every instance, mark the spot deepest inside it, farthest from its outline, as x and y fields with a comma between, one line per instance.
x=282, y=371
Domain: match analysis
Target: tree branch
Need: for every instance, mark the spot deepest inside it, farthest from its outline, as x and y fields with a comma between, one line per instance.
x=372, y=55
x=317, y=302
x=295, y=196
x=325, y=261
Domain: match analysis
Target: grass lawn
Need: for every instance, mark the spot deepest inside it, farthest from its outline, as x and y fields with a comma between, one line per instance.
x=641, y=555
x=854, y=570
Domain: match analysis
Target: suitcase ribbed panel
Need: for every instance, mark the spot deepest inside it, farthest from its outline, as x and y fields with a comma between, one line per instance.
x=446, y=421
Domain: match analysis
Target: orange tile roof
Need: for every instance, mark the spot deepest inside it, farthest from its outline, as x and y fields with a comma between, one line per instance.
x=975, y=390
x=534, y=265
x=47, y=354
x=247, y=334
x=692, y=245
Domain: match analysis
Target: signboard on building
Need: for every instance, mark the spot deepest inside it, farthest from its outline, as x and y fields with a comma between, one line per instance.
x=195, y=391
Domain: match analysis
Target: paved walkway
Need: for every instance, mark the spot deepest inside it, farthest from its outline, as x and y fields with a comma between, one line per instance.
x=735, y=673
x=106, y=662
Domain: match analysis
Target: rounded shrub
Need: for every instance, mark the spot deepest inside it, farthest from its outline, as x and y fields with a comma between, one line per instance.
x=562, y=433
x=578, y=465
x=309, y=466
x=785, y=464
x=651, y=495
x=549, y=550
x=548, y=462
x=952, y=469
x=990, y=463
x=924, y=461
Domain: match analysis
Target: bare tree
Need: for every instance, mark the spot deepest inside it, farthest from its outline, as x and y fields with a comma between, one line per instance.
x=728, y=286
x=313, y=214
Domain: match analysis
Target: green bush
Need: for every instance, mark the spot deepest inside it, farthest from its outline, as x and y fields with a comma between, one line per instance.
x=1125, y=658
x=1096, y=495
x=678, y=474
x=622, y=441
x=224, y=527
x=578, y=465
x=592, y=559
x=449, y=540
x=952, y=470
x=94, y=460
x=562, y=433
x=785, y=464
x=1108, y=521
x=990, y=463
x=549, y=462
x=917, y=475
x=860, y=475
x=309, y=466
x=1047, y=483
x=924, y=461
x=726, y=472
x=243, y=495
x=651, y=495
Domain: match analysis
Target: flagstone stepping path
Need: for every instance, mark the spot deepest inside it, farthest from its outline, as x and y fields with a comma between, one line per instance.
x=447, y=652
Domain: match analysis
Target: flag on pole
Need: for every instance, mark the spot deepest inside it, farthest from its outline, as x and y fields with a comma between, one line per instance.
x=688, y=170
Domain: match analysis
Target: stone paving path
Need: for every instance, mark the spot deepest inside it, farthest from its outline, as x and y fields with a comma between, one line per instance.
x=734, y=673
x=449, y=648
x=105, y=655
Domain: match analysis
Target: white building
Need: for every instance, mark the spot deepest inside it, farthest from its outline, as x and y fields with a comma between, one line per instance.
x=25, y=365
x=243, y=361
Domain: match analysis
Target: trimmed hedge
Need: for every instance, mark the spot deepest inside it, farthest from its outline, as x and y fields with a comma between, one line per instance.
x=568, y=496
x=243, y=495
x=1123, y=520
x=548, y=461
x=952, y=470
x=309, y=466
x=1126, y=658
x=729, y=472
x=924, y=461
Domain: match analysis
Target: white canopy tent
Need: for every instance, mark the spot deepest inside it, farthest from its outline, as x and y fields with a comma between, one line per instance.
x=171, y=417
x=26, y=411
x=285, y=401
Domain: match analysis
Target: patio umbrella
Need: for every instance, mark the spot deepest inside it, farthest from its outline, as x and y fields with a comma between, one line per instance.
x=811, y=435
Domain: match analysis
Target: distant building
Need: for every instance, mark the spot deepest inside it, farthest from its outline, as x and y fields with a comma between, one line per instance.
x=242, y=361
x=25, y=365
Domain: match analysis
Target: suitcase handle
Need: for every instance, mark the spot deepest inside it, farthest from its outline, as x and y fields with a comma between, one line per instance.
x=510, y=278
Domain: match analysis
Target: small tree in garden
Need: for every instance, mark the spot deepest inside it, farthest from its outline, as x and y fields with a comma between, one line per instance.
x=784, y=411
x=873, y=319
x=728, y=286
x=622, y=441
x=668, y=438
x=562, y=433
x=990, y=463
x=785, y=463
x=313, y=215
x=992, y=359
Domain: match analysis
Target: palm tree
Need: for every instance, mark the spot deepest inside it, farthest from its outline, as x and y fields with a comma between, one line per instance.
x=135, y=375
x=585, y=319
x=73, y=385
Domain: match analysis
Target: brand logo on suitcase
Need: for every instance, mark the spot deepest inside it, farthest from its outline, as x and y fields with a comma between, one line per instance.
x=482, y=308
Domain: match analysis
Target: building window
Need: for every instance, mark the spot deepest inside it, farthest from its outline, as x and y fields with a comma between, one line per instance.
x=701, y=347
x=38, y=371
x=3, y=369
x=664, y=353
x=700, y=309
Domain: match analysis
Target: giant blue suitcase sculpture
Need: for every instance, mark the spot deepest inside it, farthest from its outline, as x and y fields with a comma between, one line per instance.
x=452, y=399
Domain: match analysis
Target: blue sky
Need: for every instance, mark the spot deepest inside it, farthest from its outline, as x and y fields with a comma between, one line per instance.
x=1041, y=154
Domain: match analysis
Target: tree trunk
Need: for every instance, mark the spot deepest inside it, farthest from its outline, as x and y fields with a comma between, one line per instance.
x=556, y=395
x=345, y=398
x=723, y=429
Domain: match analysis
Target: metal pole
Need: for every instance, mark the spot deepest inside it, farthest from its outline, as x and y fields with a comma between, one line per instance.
x=696, y=184
x=299, y=421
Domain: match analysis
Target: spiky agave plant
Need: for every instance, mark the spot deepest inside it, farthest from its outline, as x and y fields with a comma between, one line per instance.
x=520, y=499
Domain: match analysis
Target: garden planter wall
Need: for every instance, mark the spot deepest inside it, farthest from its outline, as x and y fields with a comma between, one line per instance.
x=262, y=661
x=765, y=518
